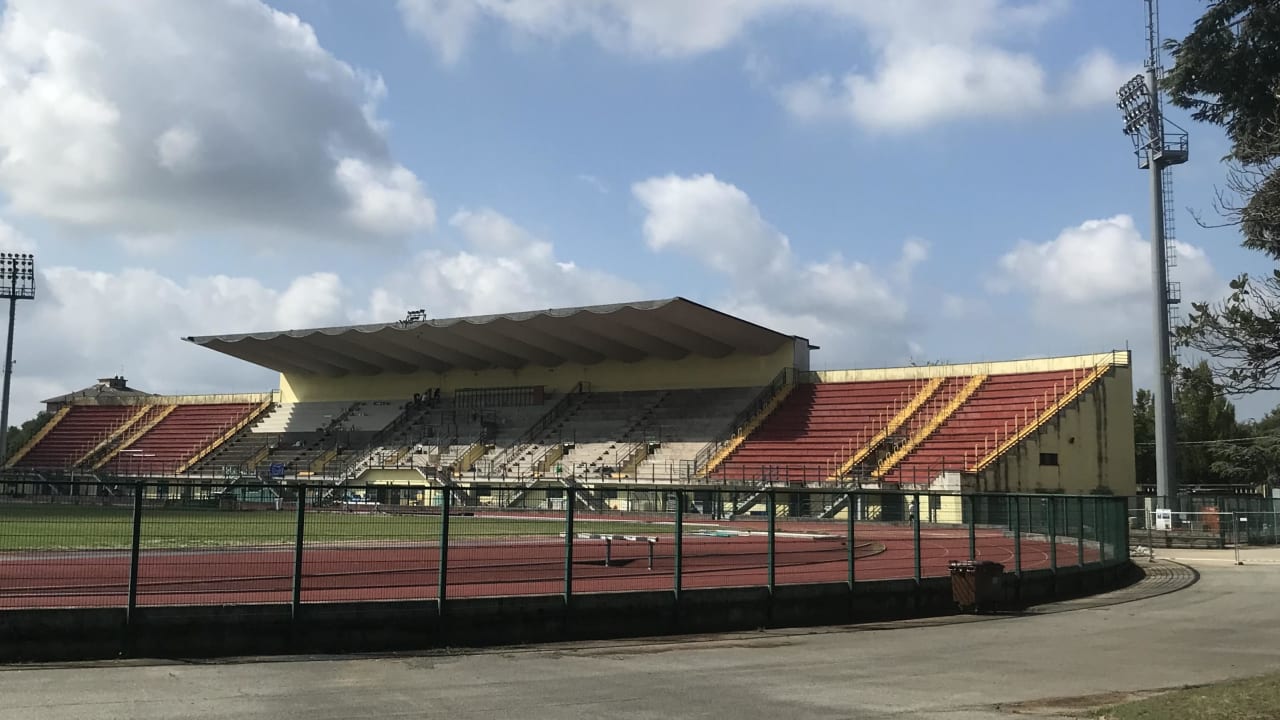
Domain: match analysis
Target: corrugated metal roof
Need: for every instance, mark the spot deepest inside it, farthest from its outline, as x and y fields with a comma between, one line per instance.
x=670, y=329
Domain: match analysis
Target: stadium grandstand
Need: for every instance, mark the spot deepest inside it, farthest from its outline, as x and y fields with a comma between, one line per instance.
x=646, y=392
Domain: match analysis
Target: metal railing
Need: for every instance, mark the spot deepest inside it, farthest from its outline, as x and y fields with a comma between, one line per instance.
x=1204, y=522
x=786, y=376
x=150, y=544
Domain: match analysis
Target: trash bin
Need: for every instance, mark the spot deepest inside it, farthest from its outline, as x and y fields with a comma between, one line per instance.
x=976, y=585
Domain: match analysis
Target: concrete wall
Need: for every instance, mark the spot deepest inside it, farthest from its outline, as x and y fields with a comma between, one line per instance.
x=53, y=635
x=1093, y=441
x=694, y=372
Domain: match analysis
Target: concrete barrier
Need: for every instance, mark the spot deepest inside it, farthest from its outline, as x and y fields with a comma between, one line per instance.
x=222, y=631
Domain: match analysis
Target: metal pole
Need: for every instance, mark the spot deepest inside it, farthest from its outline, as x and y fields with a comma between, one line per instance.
x=973, y=527
x=771, y=503
x=1097, y=530
x=8, y=371
x=1017, y=537
x=442, y=574
x=1151, y=537
x=1122, y=527
x=297, y=551
x=1166, y=480
x=1053, y=535
x=915, y=534
x=679, y=542
x=568, y=545
x=849, y=512
x=1080, y=535
x=135, y=552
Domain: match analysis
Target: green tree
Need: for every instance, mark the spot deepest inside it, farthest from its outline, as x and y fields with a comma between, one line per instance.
x=18, y=436
x=1204, y=415
x=1225, y=71
x=1205, y=419
x=1144, y=436
x=1254, y=458
x=1269, y=424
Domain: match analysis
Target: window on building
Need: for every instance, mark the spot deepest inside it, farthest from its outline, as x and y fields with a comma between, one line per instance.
x=1049, y=459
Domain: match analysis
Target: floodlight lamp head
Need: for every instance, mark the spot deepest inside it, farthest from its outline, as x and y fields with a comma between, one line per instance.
x=1134, y=91
x=1136, y=119
x=17, y=276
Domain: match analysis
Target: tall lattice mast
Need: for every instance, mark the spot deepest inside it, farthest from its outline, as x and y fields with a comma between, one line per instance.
x=1159, y=144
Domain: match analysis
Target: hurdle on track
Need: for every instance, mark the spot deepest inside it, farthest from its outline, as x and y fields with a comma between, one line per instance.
x=608, y=543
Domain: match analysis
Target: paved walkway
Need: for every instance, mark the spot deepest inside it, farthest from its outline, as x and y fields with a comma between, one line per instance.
x=1221, y=625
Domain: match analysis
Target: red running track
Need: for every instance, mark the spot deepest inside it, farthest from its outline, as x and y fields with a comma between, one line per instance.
x=510, y=567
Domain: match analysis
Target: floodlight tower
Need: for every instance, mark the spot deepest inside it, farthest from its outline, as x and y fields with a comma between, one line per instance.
x=17, y=282
x=1159, y=144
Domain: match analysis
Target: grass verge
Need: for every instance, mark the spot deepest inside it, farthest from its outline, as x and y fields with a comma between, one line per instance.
x=58, y=527
x=1249, y=699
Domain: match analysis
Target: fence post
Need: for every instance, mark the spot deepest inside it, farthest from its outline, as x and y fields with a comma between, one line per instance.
x=442, y=575
x=1122, y=526
x=915, y=534
x=1017, y=538
x=973, y=526
x=570, y=501
x=1151, y=535
x=1053, y=535
x=299, y=534
x=1097, y=531
x=850, y=512
x=679, y=544
x=135, y=552
x=771, y=503
x=1080, y=534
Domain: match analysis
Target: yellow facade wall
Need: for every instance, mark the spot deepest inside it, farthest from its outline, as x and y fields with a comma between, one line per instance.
x=693, y=372
x=1005, y=367
x=391, y=476
x=1093, y=439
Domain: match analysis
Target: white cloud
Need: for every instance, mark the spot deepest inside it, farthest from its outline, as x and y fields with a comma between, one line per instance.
x=677, y=28
x=502, y=268
x=932, y=61
x=915, y=86
x=1096, y=78
x=179, y=149
x=314, y=300
x=1093, y=281
x=383, y=199
x=86, y=324
x=654, y=27
x=714, y=222
x=955, y=307
x=13, y=241
x=158, y=117
x=149, y=244
x=859, y=312
x=444, y=23
x=596, y=183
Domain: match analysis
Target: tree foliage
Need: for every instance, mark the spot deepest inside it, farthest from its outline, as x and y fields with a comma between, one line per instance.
x=1144, y=436
x=1227, y=72
x=18, y=436
x=1214, y=448
x=1204, y=415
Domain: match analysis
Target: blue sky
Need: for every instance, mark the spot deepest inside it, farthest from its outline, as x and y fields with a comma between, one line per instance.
x=900, y=182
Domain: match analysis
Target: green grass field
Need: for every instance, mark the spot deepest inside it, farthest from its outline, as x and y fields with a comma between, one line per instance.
x=86, y=527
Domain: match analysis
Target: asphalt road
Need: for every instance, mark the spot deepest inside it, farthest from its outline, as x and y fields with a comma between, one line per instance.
x=1223, y=626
